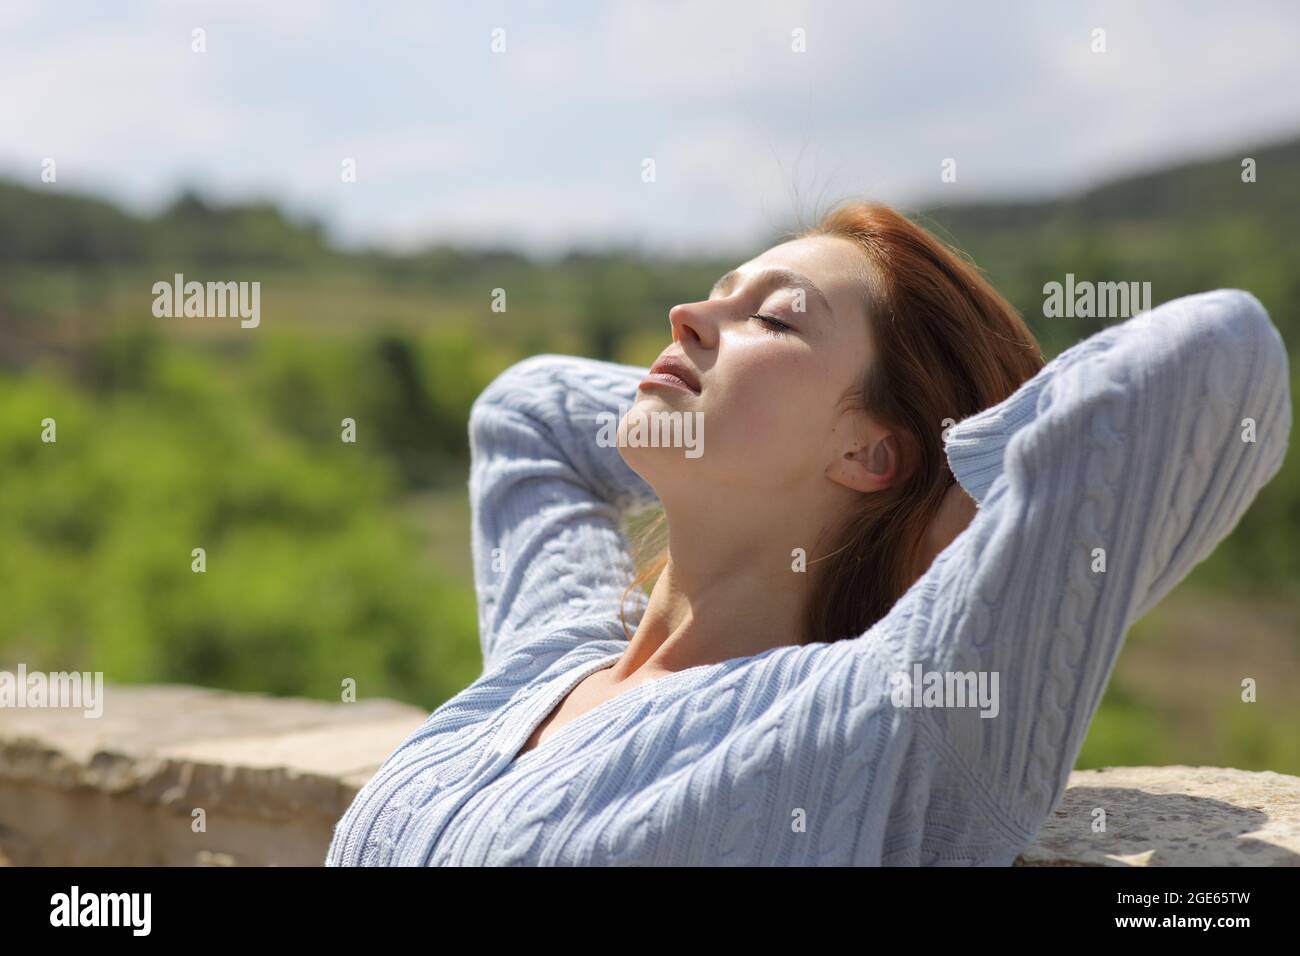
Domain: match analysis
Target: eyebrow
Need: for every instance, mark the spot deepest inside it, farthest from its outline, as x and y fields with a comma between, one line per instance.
x=771, y=277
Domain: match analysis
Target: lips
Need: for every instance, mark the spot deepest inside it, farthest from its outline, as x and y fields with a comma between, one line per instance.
x=671, y=365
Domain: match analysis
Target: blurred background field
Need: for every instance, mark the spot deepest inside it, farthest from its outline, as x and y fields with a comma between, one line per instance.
x=326, y=558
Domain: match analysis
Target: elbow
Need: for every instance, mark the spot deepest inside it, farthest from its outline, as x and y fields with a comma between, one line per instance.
x=1231, y=330
x=1245, y=320
x=522, y=387
x=523, y=378
x=1248, y=371
x=1266, y=412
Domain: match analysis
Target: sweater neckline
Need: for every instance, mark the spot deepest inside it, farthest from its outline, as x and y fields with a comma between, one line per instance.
x=514, y=732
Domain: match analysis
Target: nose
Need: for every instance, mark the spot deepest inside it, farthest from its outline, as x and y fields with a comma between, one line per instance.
x=691, y=321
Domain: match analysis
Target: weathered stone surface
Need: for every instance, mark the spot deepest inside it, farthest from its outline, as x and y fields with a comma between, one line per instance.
x=270, y=776
x=1173, y=816
x=273, y=775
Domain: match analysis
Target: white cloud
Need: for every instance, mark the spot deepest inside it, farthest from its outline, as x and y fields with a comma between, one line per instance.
x=544, y=142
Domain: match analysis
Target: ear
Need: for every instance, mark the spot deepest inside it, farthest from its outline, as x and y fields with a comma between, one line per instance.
x=870, y=464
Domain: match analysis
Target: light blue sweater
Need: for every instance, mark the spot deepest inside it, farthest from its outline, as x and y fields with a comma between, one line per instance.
x=1131, y=441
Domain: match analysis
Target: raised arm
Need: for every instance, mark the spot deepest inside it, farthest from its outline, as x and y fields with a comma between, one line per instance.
x=1102, y=482
x=546, y=495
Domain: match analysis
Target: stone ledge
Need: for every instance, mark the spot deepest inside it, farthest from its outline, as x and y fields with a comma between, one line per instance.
x=1173, y=816
x=273, y=775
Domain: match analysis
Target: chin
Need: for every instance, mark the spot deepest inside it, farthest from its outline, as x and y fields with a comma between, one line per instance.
x=661, y=468
x=655, y=431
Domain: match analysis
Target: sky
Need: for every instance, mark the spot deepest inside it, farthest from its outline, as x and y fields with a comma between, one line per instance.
x=753, y=112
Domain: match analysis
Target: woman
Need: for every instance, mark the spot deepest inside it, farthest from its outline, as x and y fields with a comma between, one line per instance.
x=828, y=670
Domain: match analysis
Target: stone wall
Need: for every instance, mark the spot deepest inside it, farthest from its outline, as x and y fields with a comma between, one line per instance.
x=175, y=775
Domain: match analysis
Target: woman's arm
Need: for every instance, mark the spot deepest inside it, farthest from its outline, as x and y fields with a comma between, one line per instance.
x=546, y=490
x=976, y=446
x=1102, y=482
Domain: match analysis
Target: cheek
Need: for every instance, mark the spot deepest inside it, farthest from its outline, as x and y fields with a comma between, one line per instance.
x=771, y=411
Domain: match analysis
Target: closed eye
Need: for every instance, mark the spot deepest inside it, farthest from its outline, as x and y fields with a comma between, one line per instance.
x=771, y=325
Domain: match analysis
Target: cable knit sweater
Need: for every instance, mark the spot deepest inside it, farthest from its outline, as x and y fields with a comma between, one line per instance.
x=1132, y=441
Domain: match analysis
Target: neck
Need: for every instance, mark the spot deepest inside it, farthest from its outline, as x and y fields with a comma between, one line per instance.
x=730, y=589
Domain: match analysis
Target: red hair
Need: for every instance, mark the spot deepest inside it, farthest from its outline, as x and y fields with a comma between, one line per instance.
x=946, y=345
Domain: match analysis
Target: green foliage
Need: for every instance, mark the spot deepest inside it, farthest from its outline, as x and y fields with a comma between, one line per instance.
x=312, y=572
x=328, y=560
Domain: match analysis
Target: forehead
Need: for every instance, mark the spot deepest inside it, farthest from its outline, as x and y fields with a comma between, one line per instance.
x=835, y=266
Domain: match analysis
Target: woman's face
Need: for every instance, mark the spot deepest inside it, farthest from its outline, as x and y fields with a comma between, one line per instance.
x=770, y=388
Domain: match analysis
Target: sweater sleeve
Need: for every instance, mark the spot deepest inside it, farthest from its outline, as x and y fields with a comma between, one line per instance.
x=547, y=488
x=976, y=446
x=1102, y=482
